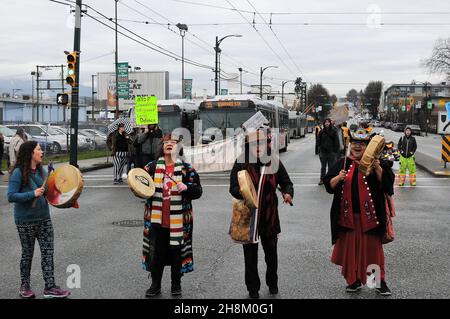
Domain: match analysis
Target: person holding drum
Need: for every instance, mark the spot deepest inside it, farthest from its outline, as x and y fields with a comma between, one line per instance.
x=168, y=219
x=32, y=217
x=265, y=179
x=358, y=213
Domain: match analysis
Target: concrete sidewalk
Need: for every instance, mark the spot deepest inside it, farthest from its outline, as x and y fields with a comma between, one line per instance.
x=432, y=165
x=91, y=164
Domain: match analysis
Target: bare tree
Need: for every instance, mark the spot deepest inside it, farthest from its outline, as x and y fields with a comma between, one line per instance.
x=439, y=62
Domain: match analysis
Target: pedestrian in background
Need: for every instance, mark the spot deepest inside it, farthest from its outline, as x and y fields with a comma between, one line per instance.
x=317, y=129
x=2, y=149
x=407, y=146
x=132, y=150
x=358, y=215
x=118, y=143
x=266, y=182
x=328, y=141
x=149, y=142
x=17, y=140
x=33, y=220
x=168, y=221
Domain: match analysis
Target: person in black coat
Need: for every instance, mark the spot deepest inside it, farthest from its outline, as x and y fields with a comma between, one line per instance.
x=328, y=144
x=268, y=223
x=2, y=149
x=358, y=214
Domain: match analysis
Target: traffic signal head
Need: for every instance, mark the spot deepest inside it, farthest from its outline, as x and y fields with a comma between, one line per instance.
x=71, y=62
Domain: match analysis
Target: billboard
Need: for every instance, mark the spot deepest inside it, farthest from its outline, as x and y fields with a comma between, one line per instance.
x=139, y=84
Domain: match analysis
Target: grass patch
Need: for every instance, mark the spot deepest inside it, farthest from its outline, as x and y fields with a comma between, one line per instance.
x=61, y=158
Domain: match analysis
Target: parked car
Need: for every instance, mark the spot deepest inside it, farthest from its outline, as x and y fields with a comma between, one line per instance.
x=415, y=129
x=99, y=140
x=376, y=123
x=39, y=132
x=398, y=127
x=84, y=142
x=387, y=125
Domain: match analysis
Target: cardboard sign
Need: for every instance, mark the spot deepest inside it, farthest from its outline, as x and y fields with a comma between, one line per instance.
x=146, y=110
x=255, y=122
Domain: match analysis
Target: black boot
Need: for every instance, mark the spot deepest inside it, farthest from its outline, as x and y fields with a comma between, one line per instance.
x=176, y=288
x=155, y=288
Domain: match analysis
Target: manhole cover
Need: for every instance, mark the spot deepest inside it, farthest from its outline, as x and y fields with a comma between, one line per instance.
x=129, y=223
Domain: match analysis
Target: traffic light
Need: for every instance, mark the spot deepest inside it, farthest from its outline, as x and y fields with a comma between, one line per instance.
x=71, y=63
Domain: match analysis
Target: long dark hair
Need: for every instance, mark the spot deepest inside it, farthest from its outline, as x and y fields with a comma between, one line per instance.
x=24, y=161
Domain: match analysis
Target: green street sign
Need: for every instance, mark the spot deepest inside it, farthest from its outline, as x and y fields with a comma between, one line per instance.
x=403, y=108
x=429, y=105
x=146, y=110
x=122, y=77
x=367, y=104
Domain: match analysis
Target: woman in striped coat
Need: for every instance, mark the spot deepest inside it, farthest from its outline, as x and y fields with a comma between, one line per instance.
x=168, y=219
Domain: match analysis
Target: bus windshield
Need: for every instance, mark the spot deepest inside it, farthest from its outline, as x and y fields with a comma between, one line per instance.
x=169, y=122
x=223, y=119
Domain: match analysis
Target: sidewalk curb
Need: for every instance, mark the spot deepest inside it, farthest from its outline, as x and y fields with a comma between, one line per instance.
x=442, y=173
x=95, y=167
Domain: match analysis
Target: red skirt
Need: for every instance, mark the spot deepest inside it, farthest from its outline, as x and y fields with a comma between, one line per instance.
x=355, y=250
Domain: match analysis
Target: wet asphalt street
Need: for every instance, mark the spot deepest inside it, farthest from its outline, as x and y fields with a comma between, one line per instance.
x=417, y=262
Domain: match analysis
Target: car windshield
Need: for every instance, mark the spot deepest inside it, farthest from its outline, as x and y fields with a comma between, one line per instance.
x=6, y=131
x=87, y=133
x=55, y=131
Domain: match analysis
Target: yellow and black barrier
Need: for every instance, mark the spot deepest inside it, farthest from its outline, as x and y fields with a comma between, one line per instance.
x=446, y=148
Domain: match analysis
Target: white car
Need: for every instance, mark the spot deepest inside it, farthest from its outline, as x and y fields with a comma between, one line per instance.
x=7, y=135
x=40, y=132
x=84, y=142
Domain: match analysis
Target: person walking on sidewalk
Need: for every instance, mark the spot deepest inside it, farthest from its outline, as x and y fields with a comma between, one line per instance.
x=32, y=218
x=168, y=218
x=18, y=139
x=266, y=177
x=328, y=142
x=118, y=143
x=358, y=215
x=407, y=146
x=149, y=142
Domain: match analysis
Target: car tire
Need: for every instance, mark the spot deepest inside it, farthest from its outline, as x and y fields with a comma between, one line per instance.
x=57, y=148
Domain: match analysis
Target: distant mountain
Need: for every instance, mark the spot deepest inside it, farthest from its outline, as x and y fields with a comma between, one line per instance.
x=7, y=86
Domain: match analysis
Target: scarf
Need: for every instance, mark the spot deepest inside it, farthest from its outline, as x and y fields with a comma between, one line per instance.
x=176, y=214
x=264, y=217
x=367, y=208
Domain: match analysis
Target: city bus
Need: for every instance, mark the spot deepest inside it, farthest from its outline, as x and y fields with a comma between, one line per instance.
x=297, y=124
x=311, y=123
x=230, y=111
x=173, y=114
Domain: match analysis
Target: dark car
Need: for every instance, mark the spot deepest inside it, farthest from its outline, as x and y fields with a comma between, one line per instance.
x=398, y=127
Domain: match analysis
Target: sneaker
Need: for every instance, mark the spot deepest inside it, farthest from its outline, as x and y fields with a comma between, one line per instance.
x=153, y=291
x=320, y=183
x=1, y=173
x=26, y=292
x=120, y=181
x=176, y=290
x=384, y=289
x=253, y=294
x=273, y=290
x=355, y=287
x=56, y=292
x=116, y=182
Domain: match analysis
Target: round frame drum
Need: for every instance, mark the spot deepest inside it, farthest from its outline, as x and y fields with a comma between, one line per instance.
x=141, y=183
x=371, y=153
x=247, y=189
x=65, y=185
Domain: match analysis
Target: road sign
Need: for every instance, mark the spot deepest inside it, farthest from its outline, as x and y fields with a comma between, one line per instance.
x=419, y=105
x=62, y=99
x=319, y=108
x=430, y=105
x=122, y=74
x=403, y=108
x=187, y=94
x=146, y=110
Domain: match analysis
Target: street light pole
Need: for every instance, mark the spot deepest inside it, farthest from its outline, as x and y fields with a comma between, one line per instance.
x=93, y=92
x=216, y=69
x=183, y=28
x=282, y=90
x=116, y=58
x=261, y=76
x=240, y=78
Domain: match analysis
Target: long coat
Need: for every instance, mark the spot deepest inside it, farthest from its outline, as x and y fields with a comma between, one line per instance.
x=377, y=190
x=194, y=191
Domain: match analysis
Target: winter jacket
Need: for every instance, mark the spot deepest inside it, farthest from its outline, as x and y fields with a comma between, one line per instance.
x=328, y=141
x=150, y=142
x=407, y=146
x=14, y=146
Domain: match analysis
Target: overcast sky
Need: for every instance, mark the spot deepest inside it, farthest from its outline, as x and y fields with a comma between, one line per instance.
x=36, y=32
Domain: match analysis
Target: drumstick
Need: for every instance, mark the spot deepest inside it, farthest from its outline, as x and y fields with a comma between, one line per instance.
x=170, y=178
x=279, y=188
x=36, y=199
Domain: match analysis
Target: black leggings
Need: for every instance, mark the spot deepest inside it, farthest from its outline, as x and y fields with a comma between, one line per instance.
x=43, y=232
x=165, y=255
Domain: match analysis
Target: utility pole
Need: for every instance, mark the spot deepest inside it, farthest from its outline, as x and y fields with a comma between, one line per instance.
x=37, y=93
x=240, y=78
x=116, y=64
x=93, y=101
x=75, y=93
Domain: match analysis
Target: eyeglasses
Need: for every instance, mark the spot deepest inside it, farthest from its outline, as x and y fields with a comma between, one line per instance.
x=359, y=143
x=170, y=142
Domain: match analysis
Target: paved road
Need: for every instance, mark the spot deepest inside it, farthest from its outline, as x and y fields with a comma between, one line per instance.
x=417, y=262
